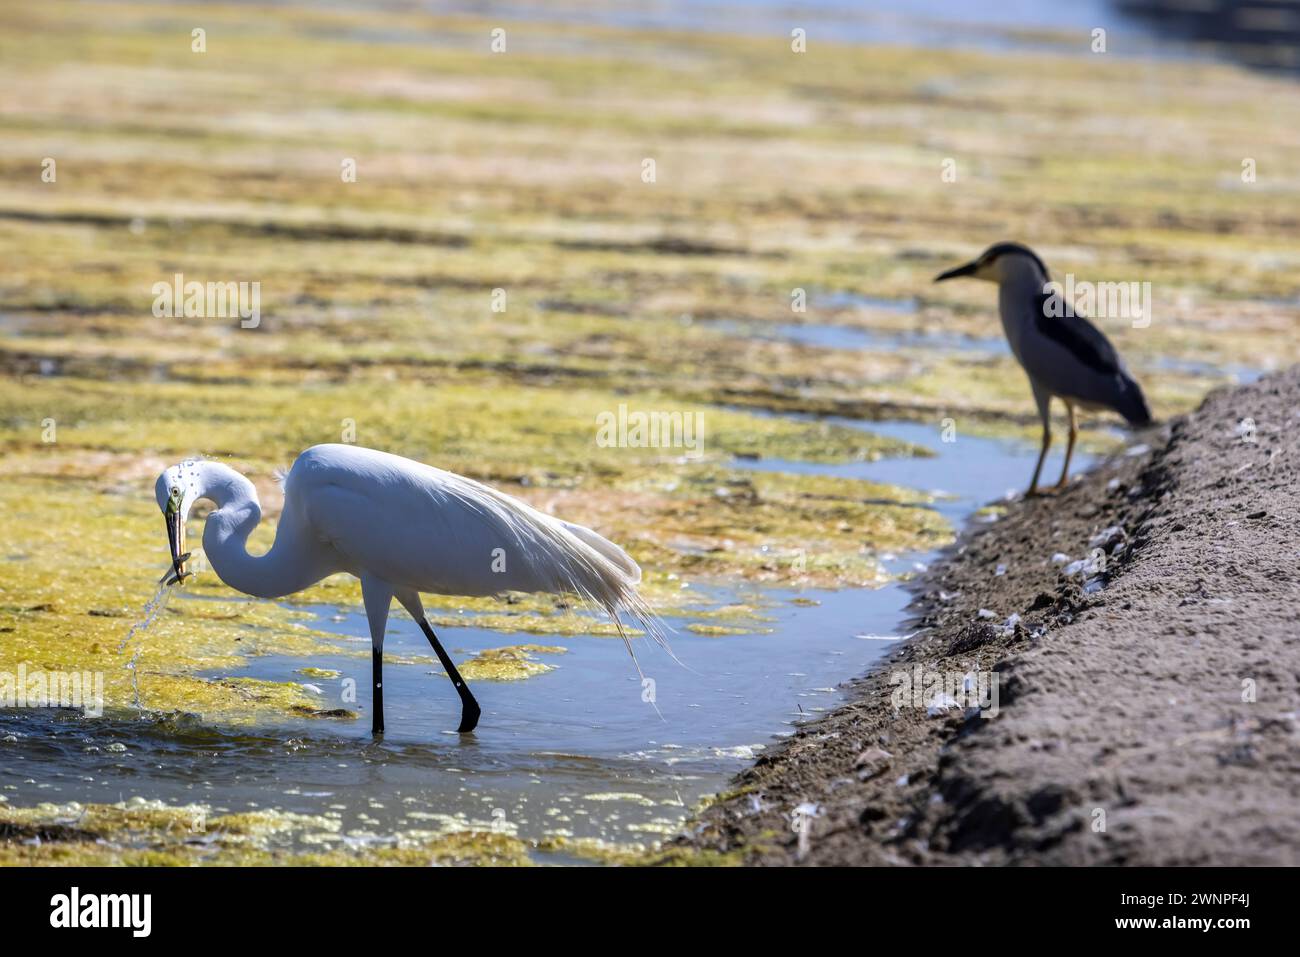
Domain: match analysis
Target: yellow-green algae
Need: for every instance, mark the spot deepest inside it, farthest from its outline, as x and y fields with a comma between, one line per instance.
x=325, y=674
x=150, y=833
x=719, y=631
x=76, y=577
x=638, y=855
x=512, y=663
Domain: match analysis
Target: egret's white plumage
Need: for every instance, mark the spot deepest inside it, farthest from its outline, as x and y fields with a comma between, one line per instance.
x=402, y=528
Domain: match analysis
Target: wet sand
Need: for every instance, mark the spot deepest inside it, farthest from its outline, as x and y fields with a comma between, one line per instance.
x=1146, y=706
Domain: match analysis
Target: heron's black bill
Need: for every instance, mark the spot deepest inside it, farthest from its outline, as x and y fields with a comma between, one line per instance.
x=176, y=541
x=966, y=270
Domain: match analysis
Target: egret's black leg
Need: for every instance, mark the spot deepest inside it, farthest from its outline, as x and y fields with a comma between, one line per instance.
x=377, y=683
x=469, y=712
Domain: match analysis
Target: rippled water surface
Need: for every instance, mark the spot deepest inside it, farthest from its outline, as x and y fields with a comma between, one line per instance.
x=574, y=751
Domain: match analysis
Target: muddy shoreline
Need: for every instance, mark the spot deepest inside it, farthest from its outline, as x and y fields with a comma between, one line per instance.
x=1141, y=628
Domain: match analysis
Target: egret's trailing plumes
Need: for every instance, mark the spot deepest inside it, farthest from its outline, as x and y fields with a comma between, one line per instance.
x=402, y=528
x=1063, y=353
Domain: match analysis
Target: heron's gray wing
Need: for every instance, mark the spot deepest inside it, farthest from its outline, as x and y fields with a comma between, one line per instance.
x=1057, y=320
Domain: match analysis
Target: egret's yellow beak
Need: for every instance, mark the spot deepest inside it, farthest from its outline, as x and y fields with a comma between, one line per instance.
x=176, y=539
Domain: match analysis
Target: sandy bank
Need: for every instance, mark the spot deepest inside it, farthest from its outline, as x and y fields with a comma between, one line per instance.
x=1147, y=709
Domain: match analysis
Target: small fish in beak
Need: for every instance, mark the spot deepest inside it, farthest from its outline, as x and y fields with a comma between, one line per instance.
x=176, y=540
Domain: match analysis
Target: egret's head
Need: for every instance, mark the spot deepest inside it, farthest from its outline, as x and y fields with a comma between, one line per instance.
x=176, y=491
x=1000, y=263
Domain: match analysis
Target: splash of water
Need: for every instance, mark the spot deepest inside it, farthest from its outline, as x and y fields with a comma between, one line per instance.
x=151, y=612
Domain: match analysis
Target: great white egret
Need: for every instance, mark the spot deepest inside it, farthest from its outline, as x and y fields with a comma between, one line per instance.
x=1063, y=353
x=402, y=528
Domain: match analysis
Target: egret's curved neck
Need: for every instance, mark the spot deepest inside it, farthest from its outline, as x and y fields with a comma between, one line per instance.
x=288, y=567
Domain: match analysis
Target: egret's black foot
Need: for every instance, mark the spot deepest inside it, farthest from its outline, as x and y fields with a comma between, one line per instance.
x=469, y=709
x=469, y=717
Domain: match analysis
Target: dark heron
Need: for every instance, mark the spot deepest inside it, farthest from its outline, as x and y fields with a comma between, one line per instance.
x=1063, y=353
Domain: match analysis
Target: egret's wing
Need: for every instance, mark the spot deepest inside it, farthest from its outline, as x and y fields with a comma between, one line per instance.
x=607, y=549
x=418, y=527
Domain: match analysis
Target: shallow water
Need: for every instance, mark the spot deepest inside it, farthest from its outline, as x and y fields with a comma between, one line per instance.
x=830, y=336
x=572, y=752
x=963, y=475
x=931, y=23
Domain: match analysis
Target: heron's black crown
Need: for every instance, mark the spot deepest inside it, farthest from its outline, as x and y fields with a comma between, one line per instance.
x=1003, y=249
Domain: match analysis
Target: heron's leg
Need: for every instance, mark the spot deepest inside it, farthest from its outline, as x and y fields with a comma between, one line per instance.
x=1044, y=401
x=377, y=597
x=1069, y=448
x=469, y=709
